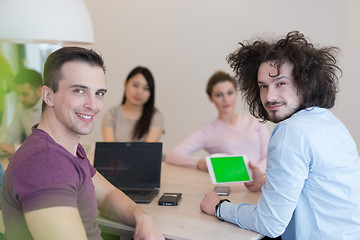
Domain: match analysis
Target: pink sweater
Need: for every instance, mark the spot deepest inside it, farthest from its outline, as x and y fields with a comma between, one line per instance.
x=248, y=136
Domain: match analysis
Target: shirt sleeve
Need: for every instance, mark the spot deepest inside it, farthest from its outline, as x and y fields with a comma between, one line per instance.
x=288, y=167
x=47, y=179
x=157, y=120
x=181, y=154
x=109, y=118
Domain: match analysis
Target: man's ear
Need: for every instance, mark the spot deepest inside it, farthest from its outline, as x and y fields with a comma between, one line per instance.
x=47, y=95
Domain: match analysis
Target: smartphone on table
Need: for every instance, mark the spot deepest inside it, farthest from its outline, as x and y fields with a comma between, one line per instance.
x=222, y=190
x=169, y=199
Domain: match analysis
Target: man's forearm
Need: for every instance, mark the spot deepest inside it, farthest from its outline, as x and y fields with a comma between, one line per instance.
x=119, y=207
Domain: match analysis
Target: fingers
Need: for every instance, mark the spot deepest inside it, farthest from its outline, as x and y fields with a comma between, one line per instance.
x=202, y=165
x=252, y=166
x=209, y=202
x=255, y=169
x=249, y=185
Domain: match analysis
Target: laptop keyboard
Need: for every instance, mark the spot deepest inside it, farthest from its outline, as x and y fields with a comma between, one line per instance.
x=141, y=192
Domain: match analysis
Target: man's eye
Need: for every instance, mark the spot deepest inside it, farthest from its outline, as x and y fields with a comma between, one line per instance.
x=281, y=84
x=100, y=94
x=78, y=90
x=262, y=86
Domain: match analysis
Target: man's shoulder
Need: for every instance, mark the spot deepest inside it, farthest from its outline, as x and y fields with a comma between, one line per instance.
x=309, y=122
x=37, y=138
x=309, y=118
x=37, y=143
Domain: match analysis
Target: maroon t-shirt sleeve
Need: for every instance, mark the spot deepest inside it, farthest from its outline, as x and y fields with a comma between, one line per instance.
x=48, y=179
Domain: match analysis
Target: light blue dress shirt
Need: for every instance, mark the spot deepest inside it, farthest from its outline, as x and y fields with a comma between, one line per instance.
x=312, y=188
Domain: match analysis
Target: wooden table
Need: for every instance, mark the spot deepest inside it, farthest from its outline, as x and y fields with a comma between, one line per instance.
x=187, y=221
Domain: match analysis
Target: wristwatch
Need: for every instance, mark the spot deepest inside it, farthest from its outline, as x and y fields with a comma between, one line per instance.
x=218, y=206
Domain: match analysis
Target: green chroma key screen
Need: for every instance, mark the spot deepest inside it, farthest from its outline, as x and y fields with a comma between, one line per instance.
x=230, y=169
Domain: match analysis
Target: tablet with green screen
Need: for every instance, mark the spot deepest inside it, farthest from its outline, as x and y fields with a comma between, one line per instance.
x=228, y=169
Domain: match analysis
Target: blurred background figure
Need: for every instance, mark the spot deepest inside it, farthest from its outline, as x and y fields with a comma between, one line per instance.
x=229, y=133
x=136, y=119
x=27, y=85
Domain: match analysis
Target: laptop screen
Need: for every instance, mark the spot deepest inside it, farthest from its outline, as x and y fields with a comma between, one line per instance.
x=129, y=164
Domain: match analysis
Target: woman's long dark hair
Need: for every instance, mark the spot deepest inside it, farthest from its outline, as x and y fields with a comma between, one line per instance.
x=143, y=124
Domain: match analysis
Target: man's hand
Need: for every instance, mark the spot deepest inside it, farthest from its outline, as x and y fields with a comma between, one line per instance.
x=114, y=204
x=202, y=165
x=146, y=229
x=258, y=179
x=209, y=202
x=5, y=147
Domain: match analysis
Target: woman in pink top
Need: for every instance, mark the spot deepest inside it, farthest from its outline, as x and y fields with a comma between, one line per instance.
x=230, y=133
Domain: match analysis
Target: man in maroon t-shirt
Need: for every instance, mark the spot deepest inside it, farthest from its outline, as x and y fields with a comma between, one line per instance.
x=50, y=190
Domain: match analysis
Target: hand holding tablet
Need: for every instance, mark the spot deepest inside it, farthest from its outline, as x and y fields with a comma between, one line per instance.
x=225, y=169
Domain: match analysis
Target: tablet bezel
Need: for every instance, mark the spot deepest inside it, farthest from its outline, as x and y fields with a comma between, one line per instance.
x=212, y=173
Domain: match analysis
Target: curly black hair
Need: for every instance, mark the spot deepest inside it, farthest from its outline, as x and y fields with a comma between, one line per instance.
x=315, y=71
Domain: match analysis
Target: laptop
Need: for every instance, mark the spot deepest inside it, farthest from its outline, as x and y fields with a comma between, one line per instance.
x=133, y=167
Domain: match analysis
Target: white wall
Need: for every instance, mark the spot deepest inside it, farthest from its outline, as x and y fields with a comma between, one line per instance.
x=184, y=41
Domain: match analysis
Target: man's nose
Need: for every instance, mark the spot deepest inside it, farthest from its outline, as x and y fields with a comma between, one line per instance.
x=271, y=94
x=90, y=102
